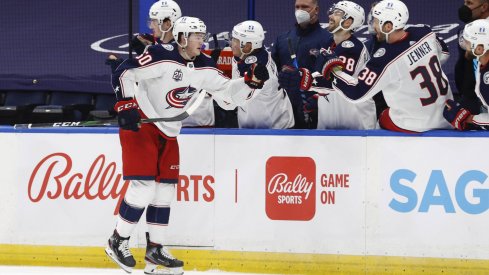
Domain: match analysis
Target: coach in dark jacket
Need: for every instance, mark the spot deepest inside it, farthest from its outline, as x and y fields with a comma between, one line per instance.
x=305, y=41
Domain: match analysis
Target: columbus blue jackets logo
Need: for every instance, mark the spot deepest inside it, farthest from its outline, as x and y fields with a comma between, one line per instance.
x=379, y=53
x=486, y=78
x=347, y=44
x=179, y=97
x=251, y=59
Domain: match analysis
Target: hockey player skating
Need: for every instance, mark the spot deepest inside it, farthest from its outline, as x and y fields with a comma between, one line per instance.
x=476, y=35
x=163, y=82
x=406, y=68
x=271, y=107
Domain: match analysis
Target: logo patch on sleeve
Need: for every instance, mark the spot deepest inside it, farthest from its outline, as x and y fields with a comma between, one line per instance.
x=379, y=53
x=251, y=59
x=168, y=47
x=486, y=78
x=347, y=44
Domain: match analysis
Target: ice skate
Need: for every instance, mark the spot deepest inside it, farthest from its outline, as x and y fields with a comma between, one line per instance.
x=160, y=261
x=118, y=250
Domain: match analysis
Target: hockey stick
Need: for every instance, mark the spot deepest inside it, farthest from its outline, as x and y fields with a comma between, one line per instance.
x=101, y=123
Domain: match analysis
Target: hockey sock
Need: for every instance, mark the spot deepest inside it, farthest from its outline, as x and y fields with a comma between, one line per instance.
x=139, y=194
x=157, y=218
x=128, y=218
x=158, y=212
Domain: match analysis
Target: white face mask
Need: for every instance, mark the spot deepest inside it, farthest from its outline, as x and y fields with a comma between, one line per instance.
x=302, y=16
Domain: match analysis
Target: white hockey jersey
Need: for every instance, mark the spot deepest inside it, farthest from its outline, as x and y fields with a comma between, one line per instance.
x=410, y=76
x=271, y=107
x=163, y=83
x=334, y=110
x=482, y=91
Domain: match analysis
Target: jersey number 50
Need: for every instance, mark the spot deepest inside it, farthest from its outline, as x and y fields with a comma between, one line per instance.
x=441, y=82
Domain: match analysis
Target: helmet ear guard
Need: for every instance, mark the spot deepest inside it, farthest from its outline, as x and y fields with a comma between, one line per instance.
x=351, y=10
x=393, y=11
x=477, y=33
x=186, y=25
x=249, y=32
x=165, y=9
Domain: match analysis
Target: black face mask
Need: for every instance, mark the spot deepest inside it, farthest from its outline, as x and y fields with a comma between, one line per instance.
x=465, y=14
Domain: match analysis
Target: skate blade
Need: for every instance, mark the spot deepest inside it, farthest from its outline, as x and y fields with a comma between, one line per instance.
x=111, y=255
x=152, y=269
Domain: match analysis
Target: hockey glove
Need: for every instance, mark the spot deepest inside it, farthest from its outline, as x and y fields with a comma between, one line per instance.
x=139, y=42
x=256, y=75
x=128, y=115
x=311, y=103
x=456, y=115
x=292, y=79
x=327, y=61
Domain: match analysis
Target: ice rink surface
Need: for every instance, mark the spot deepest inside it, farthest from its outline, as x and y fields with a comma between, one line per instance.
x=29, y=270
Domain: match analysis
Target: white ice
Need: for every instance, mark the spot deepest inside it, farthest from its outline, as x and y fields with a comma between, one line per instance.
x=29, y=270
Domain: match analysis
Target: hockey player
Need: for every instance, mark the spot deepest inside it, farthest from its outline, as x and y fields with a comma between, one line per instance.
x=334, y=111
x=476, y=35
x=162, y=16
x=163, y=83
x=270, y=108
x=406, y=68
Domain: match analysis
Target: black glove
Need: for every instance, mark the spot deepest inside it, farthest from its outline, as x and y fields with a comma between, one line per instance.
x=326, y=61
x=139, y=42
x=256, y=75
x=128, y=115
x=456, y=115
x=292, y=79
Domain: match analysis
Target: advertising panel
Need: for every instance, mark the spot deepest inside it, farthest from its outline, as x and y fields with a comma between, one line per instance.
x=291, y=194
x=427, y=197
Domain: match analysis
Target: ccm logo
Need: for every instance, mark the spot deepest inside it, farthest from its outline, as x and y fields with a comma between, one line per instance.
x=290, y=188
x=130, y=105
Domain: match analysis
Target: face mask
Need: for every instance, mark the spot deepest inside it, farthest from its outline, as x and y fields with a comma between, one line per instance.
x=302, y=16
x=465, y=14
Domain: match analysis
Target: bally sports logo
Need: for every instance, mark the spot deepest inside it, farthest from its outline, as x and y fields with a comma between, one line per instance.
x=290, y=188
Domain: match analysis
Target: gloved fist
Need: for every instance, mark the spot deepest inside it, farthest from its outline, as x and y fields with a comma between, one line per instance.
x=456, y=114
x=310, y=103
x=292, y=79
x=139, y=42
x=327, y=61
x=128, y=116
x=256, y=75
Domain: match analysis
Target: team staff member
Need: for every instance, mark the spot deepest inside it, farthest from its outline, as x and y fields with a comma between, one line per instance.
x=305, y=40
